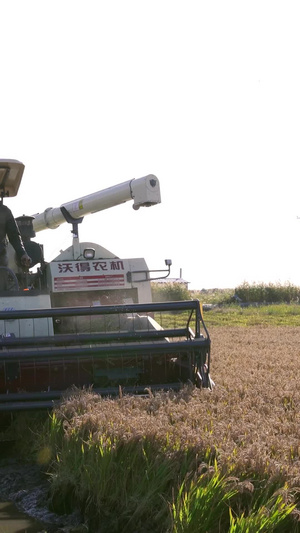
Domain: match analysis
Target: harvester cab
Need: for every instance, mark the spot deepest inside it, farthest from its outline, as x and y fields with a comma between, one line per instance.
x=86, y=318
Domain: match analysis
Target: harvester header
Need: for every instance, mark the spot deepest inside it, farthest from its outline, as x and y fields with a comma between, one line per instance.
x=86, y=318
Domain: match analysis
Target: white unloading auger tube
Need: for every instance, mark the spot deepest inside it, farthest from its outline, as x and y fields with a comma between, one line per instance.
x=143, y=191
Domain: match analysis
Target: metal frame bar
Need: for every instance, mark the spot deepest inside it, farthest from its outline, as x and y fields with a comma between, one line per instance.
x=92, y=338
x=183, y=305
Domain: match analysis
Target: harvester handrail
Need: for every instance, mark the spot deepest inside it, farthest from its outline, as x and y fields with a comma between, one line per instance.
x=102, y=310
x=183, y=305
x=90, y=338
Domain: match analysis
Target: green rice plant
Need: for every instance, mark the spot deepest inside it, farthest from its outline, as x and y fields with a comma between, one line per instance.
x=268, y=518
x=201, y=505
x=64, y=472
x=168, y=292
x=213, y=296
x=25, y=431
x=108, y=474
x=143, y=482
x=142, y=463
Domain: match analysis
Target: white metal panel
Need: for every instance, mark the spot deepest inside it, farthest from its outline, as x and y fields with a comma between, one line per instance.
x=26, y=327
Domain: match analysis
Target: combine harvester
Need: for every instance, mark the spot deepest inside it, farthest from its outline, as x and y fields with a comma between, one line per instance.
x=87, y=318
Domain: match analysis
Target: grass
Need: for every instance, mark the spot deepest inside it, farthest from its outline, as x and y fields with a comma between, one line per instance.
x=235, y=315
x=260, y=315
x=259, y=304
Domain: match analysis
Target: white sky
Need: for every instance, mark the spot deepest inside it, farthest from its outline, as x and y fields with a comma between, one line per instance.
x=203, y=94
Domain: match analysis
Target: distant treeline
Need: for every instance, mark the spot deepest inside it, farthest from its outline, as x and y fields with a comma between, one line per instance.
x=246, y=292
x=268, y=293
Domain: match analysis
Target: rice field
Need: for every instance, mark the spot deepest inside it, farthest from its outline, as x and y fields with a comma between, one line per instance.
x=220, y=461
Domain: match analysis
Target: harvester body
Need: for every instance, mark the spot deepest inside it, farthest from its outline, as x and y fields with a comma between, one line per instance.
x=87, y=318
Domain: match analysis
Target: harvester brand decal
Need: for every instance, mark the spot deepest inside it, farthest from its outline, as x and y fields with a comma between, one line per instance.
x=84, y=275
x=87, y=266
